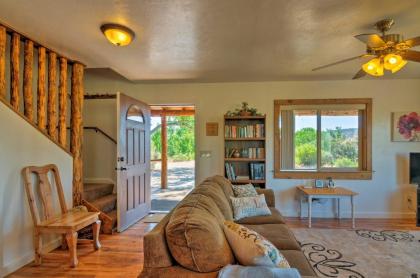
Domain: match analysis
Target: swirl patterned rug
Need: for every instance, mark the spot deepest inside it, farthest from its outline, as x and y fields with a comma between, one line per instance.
x=361, y=253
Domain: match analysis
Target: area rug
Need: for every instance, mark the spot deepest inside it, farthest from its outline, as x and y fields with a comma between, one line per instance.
x=361, y=253
x=154, y=218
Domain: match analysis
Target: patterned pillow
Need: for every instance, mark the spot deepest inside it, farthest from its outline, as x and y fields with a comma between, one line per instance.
x=249, y=206
x=251, y=248
x=244, y=190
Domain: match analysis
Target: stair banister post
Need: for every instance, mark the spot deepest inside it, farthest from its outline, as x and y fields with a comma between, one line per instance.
x=76, y=126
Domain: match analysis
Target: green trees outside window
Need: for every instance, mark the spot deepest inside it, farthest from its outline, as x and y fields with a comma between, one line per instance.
x=180, y=139
x=339, y=148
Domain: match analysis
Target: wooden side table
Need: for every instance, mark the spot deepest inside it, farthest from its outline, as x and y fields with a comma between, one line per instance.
x=326, y=193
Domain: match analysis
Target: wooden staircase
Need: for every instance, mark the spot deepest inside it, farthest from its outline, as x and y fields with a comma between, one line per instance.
x=100, y=197
x=47, y=107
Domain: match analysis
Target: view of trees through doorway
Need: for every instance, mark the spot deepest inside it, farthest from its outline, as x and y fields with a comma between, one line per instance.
x=172, y=155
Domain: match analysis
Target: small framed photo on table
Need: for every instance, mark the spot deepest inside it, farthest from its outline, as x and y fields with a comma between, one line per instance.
x=319, y=183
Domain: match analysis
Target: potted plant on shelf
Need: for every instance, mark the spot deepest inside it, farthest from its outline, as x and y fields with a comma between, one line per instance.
x=244, y=111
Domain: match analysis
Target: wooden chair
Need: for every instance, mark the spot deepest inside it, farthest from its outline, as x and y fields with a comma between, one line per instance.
x=67, y=224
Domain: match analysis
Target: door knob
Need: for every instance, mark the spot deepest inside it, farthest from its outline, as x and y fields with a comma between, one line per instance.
x=121, y=169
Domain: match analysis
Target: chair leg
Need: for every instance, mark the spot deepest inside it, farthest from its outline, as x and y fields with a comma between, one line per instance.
x=72, y=244
x=38, y=247
x=63, y=242
x=96, y=226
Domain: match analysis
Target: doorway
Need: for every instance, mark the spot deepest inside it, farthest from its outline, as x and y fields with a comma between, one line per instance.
x=172, y=154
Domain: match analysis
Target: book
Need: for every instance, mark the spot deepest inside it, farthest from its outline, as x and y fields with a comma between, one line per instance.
x=244, y=131
x=257, y=171
x=230, y=171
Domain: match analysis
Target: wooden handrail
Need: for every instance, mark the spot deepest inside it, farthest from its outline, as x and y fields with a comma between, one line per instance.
x=97, y=129
x=100, y=96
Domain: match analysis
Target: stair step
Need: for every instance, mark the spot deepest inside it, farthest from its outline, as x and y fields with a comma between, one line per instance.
x=106, y=203
x=93, y=191
x=113, y=215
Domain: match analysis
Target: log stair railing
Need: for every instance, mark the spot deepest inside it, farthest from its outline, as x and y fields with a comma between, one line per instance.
x=49, y=101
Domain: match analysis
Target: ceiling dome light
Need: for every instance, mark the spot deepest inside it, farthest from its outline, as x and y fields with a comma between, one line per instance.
x=117, y=34
x=394, y=62
x=374, y=67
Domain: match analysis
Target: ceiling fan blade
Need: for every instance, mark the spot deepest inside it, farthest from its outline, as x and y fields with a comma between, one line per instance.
x=359, y=74
x=413, y=41
x=371, y=40
x=411, y=55
x=339, y=62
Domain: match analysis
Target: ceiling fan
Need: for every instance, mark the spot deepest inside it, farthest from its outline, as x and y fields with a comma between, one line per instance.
x=388, y=51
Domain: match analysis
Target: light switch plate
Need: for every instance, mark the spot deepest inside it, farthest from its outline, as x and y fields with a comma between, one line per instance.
x=205, y=154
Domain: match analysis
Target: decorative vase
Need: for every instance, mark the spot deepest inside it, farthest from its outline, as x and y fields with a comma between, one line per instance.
x=245, y=113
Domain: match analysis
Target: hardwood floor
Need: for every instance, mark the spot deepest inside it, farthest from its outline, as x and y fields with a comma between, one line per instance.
x=122, y=254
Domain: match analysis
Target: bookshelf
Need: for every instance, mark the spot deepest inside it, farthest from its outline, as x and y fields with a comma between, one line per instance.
x=245, y=149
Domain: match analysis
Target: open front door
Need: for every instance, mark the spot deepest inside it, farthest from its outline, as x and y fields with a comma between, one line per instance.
x=133, y=159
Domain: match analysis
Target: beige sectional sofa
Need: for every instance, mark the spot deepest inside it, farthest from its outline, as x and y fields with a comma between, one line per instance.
x=190, y=242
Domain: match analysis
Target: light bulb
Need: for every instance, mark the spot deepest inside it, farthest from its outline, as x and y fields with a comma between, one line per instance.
x=393, y=61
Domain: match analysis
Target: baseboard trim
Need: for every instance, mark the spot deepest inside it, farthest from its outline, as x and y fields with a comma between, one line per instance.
x=347, y=214
x=28, y=258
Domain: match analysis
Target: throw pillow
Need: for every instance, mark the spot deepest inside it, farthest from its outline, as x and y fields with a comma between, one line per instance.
x=249, y=206
x=251, y=248
x=244, y=190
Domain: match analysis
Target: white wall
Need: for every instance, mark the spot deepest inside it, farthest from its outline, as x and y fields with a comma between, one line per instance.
x=99, y=153
x=22, y=145
x=383, y=196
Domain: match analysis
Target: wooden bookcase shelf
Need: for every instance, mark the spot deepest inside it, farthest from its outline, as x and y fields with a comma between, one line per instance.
x=244, y=139
x=246, y=134
x=244, y=159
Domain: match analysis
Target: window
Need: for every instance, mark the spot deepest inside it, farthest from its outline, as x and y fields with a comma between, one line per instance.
x=134, y=114
x=322, y=138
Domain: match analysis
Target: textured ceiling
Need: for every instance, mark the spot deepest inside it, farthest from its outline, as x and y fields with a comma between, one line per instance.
x=214, y=40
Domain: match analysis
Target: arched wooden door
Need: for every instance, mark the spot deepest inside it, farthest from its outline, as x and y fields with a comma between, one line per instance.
x=133, y=159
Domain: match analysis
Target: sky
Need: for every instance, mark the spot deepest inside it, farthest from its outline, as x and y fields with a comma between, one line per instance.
x=155, y=122
x=328, y=122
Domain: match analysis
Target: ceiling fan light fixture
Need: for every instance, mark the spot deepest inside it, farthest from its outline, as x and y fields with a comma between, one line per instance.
x=392, y=61
x=399, y=66
x=117, y=34
x=374, y=67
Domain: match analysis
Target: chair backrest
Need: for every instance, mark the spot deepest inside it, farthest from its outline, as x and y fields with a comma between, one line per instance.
x=45, y=191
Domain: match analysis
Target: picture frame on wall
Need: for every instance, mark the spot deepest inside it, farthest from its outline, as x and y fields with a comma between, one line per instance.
x=406, y=126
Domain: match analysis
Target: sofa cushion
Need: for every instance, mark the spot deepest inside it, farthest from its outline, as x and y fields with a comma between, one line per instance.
x=250, y=248
x=195, y=235
x=214, y=191
x=249, y=206
x=274, y=218
x=224, y=184
x=244, y=190
x=279, y=234
x=298, y=260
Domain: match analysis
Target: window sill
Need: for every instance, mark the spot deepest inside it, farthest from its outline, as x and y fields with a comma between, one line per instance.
x=349, y=175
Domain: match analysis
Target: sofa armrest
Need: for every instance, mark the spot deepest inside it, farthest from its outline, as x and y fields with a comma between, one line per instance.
x=269, y=196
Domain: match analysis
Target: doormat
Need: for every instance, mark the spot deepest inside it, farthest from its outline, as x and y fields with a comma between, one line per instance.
x=154, y=218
